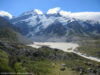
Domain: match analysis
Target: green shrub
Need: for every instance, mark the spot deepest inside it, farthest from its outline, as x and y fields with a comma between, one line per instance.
x=4, y=62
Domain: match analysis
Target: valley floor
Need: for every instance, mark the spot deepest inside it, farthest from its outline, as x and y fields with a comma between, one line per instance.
x=67, y=47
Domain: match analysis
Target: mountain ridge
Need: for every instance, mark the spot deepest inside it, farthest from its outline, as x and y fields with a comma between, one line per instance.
x=49, y=26
x=56, y=24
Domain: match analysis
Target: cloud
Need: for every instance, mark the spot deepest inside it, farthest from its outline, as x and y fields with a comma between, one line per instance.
x=82, y=15
x=38, y=11
x=53, y=11
x=4, y=13
x=65, y=13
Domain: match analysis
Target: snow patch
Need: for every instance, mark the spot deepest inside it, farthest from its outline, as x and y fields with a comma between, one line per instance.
x=38, y=11
x=6, y=14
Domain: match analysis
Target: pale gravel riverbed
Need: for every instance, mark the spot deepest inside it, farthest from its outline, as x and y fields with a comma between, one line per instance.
x=67, y=47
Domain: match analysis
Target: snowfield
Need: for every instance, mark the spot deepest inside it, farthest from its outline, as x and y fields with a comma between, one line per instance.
x=67, y=47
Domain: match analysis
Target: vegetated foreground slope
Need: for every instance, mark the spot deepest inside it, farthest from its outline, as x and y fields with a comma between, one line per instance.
x=18, y=58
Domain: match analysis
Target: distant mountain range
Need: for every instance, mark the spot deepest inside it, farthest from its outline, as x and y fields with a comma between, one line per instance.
x=54, y=27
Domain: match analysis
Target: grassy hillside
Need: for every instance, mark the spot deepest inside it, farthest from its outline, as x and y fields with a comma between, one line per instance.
x=18, y=58
x=90, y=47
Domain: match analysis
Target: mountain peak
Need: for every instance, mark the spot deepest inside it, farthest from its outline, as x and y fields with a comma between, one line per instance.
x=33, y=12
x=5, y=14
x=38, y=11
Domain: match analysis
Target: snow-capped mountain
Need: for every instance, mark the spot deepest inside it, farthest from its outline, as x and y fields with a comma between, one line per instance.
x=6, y=15
x=54, y=26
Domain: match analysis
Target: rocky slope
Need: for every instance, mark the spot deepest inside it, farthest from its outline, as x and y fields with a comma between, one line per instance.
x=10, y=33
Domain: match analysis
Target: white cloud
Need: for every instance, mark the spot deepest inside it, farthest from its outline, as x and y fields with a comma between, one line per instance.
x=4, y=13
x=54, y=10
x=38, y=11
x=65, y=13
x=82, y=15
x=77, y=15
